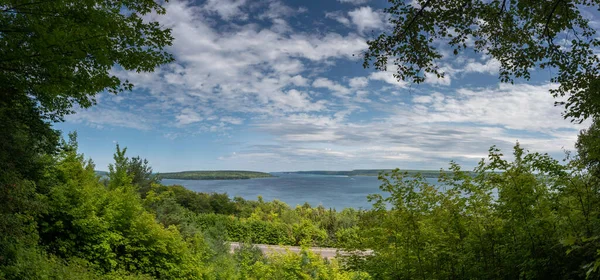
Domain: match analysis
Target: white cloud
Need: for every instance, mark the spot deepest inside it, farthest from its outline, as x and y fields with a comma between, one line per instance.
x=388, y=77
x=490, y=66
x=297, y=101
x=276, y=81
x=298, y=80
x=434, y=80
x=292, y=66
x=100, y=118
x=354, y=2
x=358, y=82
x=232, y=120
x=227, y=9
x=459, y=125
x=331, y=85
x=383, y=143
x=365, y=18
x=521, y=106
x=339, y=17
x=423, y=99
x=243, y=69
x=277, y=10
x=187, y=116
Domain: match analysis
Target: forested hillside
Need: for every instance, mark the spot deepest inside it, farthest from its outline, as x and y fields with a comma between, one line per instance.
x=214, y=175
x=127, y=226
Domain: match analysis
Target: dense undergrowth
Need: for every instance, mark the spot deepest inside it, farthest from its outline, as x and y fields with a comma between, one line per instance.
x=74, y=225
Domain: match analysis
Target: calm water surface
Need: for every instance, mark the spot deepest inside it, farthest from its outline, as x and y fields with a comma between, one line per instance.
x=295, y=189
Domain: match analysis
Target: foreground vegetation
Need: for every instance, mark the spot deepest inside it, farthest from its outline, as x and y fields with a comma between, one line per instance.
x=533, y=218
x=215, y=175
x=77, y=225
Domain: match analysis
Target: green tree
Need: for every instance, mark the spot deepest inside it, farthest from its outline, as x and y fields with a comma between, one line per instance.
x=580, y=203
x=142, y=174
x=513, y=219
x=60, y=53
x=521, y=35
x=130, y=171
x=109, y=227
x=588, y=147
x=55, y=55
x=117, y=172
x=306, y=265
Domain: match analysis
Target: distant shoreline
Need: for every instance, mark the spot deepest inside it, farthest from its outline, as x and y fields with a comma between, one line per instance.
x=214, y=175
x=245, y=175
x=371, y=172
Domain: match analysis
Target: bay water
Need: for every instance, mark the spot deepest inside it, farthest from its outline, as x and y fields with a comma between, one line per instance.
x=336, y=192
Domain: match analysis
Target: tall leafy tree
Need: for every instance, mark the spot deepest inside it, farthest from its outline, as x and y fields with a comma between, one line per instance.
x=130, y=171
x=54, y=56
x=141, y=171
x=522, y=35
x=588, y=146
x=60, y=53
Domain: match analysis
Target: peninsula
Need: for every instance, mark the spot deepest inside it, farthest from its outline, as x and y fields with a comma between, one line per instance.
x=214, y=175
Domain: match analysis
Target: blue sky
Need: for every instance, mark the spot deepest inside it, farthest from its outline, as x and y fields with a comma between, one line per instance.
x=273, y=85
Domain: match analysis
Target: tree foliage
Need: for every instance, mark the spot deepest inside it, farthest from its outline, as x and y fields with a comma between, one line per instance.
x=243, y=220
x=60, y=53
x=54, y=56
x=521, y=35
x=529, y=218
x=109, y=227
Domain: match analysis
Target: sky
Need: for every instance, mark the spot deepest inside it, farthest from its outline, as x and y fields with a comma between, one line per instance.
x=274, y=85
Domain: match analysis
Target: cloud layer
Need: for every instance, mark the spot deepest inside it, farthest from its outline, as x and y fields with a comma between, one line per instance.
x=269, y=70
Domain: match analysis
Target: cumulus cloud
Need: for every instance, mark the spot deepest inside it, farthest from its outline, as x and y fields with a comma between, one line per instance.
x=278, y=10
x=490, y=66
x=99, y=118
x=443, y=81
x=331, y=85
x=187, y=116
x=353, y=2
x=434, y=129
x=298, y=80
x=245, y=69
x=280, y=83
x=388, y=77
x=232, y=120
x=422, y=99
x=384, y=143
x=522, y=106
x=359, y=82
x=295, y=101
x=227, y=9
x=366, y=19
x=338, y=16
